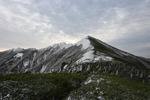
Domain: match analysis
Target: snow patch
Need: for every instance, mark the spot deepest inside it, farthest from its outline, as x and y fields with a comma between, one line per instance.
x=18, y=55
x=103, y=57
x=26, y=63
x=101, y=79
x=17, y=49
x=100, y=98
x=7, y=96
x=65, y=66
x=88, y=56
x=85, y=43
x=45, y=56
x=43, y=69
x=34, y=54
x=26, y=70
x=88, y=81
x=69, y=98
x=61, y=45
x=108, y=82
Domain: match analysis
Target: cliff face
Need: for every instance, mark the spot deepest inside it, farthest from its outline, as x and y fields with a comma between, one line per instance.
x=89, y=54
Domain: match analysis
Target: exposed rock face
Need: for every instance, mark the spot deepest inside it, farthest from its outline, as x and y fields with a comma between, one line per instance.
x=89, y=54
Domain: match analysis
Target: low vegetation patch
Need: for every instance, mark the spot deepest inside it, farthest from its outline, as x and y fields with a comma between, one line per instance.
x=72, y=86
x=100, y=86
x=54, y=86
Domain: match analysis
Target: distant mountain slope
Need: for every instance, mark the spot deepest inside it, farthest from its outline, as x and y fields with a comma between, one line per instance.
x=89, y=54
x=118, y=54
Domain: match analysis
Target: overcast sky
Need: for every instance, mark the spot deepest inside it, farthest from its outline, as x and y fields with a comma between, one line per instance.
x=124, y=24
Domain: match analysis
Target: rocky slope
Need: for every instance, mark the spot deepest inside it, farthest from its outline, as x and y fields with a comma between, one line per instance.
x=89, y=54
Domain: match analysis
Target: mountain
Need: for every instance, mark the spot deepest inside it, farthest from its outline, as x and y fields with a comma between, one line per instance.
x=89, y=54
x=87, y=70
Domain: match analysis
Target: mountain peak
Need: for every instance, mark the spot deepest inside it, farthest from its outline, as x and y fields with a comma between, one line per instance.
x=89, y=36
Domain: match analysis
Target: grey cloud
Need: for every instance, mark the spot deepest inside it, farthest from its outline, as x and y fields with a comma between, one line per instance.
x=37, y=23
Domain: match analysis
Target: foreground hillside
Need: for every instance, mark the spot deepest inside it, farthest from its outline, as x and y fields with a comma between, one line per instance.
x=101, y=86
x=53, y=86
x=72, y=86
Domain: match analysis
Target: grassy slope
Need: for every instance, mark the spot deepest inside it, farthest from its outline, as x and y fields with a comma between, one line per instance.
x=110, y=87
x=75, y=86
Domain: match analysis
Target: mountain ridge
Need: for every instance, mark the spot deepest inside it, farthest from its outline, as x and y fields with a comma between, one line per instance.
x=89, y=54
